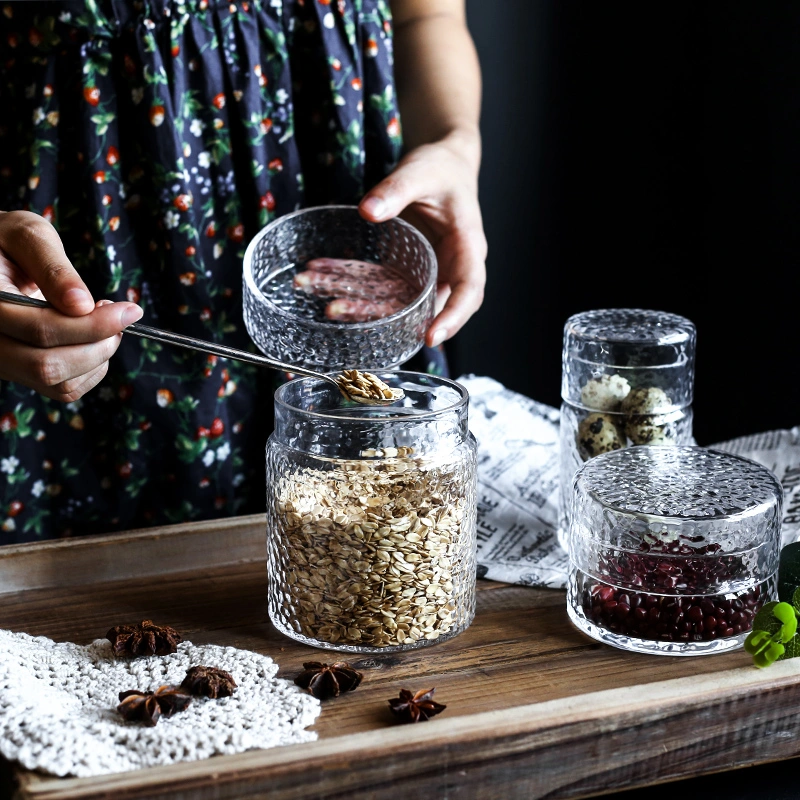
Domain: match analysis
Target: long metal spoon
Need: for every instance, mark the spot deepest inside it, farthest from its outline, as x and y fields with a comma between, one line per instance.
x=189, y=342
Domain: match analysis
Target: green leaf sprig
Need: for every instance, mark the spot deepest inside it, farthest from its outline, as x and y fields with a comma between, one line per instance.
x=774, y=636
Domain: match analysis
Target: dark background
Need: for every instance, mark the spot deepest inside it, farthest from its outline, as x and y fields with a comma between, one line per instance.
x=642, y=155
x=645, y=155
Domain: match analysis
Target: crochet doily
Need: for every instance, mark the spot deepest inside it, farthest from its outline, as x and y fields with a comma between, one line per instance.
x=58, y=707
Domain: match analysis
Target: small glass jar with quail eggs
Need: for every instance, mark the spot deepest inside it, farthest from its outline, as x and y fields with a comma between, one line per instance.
x=627, y=380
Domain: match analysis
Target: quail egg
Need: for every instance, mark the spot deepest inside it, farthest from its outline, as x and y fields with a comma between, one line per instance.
x=605, y=393
x=652, y=429
x=598, y=433
x=645, y=400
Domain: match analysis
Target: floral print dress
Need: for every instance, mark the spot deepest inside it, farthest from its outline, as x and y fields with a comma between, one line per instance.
x=158, y=136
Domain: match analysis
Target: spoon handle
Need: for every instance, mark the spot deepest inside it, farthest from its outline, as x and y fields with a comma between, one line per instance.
x=189, y=342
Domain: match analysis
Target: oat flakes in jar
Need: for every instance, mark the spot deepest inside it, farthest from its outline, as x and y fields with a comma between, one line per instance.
x=371, y=533
x=627, y=379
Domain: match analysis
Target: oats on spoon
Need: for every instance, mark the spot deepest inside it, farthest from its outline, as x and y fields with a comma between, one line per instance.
x=366, y=388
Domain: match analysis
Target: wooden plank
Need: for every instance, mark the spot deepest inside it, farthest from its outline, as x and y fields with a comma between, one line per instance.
x=153, y=551
x=534, y=708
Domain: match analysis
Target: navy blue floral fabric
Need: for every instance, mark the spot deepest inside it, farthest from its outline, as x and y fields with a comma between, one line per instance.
x=158, y=137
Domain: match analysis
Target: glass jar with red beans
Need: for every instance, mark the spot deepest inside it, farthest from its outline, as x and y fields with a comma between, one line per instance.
x=672, y=550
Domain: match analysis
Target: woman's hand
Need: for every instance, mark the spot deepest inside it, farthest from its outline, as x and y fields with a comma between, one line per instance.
x=61, y=352
x=435, y=188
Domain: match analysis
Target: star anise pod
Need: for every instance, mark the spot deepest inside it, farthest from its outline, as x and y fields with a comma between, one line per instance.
x=328, y=680
x=147, y=639
x=149, y=706
x=208, y=682
x=419, y=707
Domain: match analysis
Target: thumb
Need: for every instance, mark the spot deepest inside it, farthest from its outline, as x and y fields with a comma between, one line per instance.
x=36, y=249
x=411, y=181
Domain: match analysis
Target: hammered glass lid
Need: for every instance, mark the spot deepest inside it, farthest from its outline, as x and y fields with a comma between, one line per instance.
x=691, y=483
x=648, y=348
x=694, y=494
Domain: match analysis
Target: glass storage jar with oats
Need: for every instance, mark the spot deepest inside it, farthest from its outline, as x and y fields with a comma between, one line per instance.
x=627, y=379
x=371, y=531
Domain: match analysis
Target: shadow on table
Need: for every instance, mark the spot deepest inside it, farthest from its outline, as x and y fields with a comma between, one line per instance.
x=775, y=781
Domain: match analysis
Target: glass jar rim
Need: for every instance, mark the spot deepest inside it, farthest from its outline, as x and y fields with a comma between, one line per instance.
x=350, y=417
x=356, y=326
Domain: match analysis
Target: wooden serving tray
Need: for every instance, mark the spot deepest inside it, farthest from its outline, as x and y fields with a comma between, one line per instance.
x=534, y=708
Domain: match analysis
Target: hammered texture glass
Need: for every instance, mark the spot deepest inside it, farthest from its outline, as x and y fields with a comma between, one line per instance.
x=627, y=379
x=371, y=516
x=288, y=326
x=672, y=549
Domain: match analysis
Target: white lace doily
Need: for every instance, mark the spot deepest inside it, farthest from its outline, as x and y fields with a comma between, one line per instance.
x=58, y=707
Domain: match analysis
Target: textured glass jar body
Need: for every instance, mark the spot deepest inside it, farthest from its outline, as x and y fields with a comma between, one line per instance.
x=371, y=531
x=672, y=550
x=627, y=380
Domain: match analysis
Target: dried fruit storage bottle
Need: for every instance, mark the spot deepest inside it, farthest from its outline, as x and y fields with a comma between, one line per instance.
x=371, y=515
x=627, y=379
x=673, y=550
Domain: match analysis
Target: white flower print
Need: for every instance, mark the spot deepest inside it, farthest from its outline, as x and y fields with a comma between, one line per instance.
x=111, y=252
x=137, y=95
x=218, y=250
x=238, y=479
x=197, y=127
x=328, y=21
x=171, y=219
x=37, y=488
x=204, y=159
x=223, y=452
x=208, y=458
x=8, y=465
x=9, y=525
x=65, y=16
x=38, y=116
x=281, y=96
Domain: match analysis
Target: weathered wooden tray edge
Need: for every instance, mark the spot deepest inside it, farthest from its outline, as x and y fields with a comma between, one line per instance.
x=537, y=750
x=112, y=557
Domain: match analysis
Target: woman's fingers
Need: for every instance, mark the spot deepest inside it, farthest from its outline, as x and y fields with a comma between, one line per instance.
x=437, y=190
x=72, y=390
x=45, y=327
x=48, y=370
x=61, y=352
x=414, y=179
x=33, y=245
x=462, y=257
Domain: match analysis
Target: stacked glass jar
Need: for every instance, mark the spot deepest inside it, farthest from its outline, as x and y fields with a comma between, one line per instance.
x=627, y=379
x=371, y=532
x=673, y=550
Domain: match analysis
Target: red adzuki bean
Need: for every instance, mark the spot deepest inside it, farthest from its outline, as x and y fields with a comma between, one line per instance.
x=689, y=617
x=668, y=618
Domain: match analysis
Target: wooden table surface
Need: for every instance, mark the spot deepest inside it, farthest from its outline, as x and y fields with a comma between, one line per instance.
x=534, y=708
